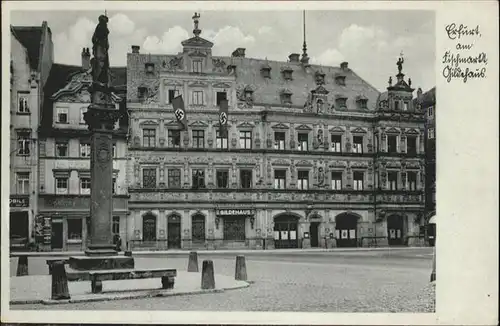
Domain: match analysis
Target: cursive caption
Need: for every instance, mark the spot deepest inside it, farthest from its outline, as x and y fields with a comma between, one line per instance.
x=464, y=62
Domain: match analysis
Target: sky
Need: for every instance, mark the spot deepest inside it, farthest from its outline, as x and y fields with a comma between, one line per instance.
x=370, y=41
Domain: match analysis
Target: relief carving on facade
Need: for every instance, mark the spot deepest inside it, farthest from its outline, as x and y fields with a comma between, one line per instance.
x=218, y=65
x=269, y=140
x=176, y=63
x=153, y=91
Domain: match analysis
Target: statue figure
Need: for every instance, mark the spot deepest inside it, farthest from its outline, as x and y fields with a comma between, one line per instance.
x=320, y=137
x=321, y=176
x=100, y=61
x=400, y=64
x=409, y=82
x=390, y=81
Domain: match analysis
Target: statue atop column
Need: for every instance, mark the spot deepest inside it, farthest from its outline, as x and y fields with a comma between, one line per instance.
x=400, y=62
x=100, y=60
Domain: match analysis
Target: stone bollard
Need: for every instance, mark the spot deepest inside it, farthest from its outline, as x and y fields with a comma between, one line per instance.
x=433, y=273
x=59, y=282
x=22, y=266
x=207, y=275
x=193, y=262
x=241, y=269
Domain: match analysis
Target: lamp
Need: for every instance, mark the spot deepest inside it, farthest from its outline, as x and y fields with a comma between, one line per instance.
x=252, y=221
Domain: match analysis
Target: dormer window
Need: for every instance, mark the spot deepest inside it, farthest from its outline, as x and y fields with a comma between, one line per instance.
x=287, y=73
x=405, y=106
x=197, y=66
x=150, y=67
x=341, y=102
x=362, y=102
x=266, y=71
x=286, y=97
x=340, y=80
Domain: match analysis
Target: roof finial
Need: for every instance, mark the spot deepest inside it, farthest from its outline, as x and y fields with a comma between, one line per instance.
x=305, y=58
x=196, y=30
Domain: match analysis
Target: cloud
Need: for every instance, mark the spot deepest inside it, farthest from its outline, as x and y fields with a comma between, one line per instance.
x=121, y=24
x=330, y=57
x=265, y=30
x=170, y=41
x=228, y=38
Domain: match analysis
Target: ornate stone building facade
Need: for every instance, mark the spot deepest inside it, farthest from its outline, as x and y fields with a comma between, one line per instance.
x=64, y=162
x=314, y=156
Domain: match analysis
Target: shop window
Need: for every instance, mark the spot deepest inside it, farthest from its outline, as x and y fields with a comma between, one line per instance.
x=221, y=96
x=62, y=115
x=357, y=146
x=174, y=138
x=303, y=140
x=234, y=229
x=279, y=140
x=85, y=186
x=84, y=150
x=412, y=180
x=115, y=226
x=198, y=138
x=23, y=106
x=303, y=180
x=198, y=179
x=246, y=139
x=24, y=141
x=336, y=181
x=197, y=66
x=279, y=179
x=74, y=228
x=411, y=145
x=358, y=178
x=246, y=179
x=149, y=178
x=392, y=179
x=336, y=143
x=198, y=227
x=392, y=144
x=149, y=137
x=174, y=178
x=23, y=182
x=197, y=97
x=62, y=185
x=172, y=93
x=222, y=178
x=221, y=141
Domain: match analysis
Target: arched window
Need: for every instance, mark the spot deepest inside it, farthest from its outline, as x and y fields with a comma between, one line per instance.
x=149, y=227
x=198, y=227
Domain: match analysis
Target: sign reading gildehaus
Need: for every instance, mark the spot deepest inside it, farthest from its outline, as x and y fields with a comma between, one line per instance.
x=233, y=212
x=19, y=202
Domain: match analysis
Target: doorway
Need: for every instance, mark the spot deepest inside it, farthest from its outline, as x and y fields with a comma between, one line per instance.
x=346, y=230
x=285, y=232
x=174, y=232
x=395, y=225
x=57, y=235
x=313, y=233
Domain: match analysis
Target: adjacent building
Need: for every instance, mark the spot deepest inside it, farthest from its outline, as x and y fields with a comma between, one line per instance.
x=30, y=63
x=64, y=158
x=314, y=155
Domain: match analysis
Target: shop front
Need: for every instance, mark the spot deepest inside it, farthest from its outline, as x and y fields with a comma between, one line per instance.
x=19, y=222
x=236, y=226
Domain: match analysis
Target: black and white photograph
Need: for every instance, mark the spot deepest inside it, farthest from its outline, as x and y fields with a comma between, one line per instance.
x=212, y=159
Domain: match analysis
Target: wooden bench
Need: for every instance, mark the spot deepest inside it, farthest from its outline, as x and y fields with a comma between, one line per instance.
x=167, y=276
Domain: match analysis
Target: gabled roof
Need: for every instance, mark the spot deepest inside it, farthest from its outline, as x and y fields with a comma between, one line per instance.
x=197, y=41
x=30, y=37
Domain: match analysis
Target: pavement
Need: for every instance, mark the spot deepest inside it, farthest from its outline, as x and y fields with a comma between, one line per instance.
x=375, y=280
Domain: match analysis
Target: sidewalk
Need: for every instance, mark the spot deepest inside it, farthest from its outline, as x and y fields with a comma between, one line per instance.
x=219, y=252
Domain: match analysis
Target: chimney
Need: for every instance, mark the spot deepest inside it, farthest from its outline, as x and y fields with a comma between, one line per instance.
x=294, y=57
x=344, y=65
x=135, y=48
x=85, y=59
x=239, y=53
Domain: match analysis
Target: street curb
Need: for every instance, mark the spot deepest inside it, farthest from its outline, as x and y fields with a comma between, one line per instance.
x=219, y=252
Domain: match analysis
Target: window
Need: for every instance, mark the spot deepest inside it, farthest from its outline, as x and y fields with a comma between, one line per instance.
x=412, y=180
x=82, y=113
x=430, y=133
x=392, y=178
x=197, y=97
x=303, y=180
x=392, y=144
x=222, y=178
x=114, y=188
x=149, y=137
x=198, y=227
x=198, y=179
x=246, y=139
x=198, y=138
x=341, y=102
x=303, y=140
x=115, y=226
x=286, y=98
x=357, y=144
x=221, y=96
x=246, y=179
x=279, y=179
x=340, y=80
x=279, y=140
x=23, y=183
x=62, y=115
x=234, y=229
x=62, y=185
x=62, y=149
x=197, y=66
x=405, y=106
x=336, y=180
x=23, y=139
x=221, y=142
x=115, y=153
x=84, y=150
x=363, y=104
x=172, y=93
x=149, y=178
x=396, y=105
x=85, y=186
x=23, y=106
x=174, y=138
x=287, y=74
x=149, y=228
x=336, y=143
x=430, y=112
x=174, y=178
x=411, y=145
x=358, y=178
x=74, y=228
